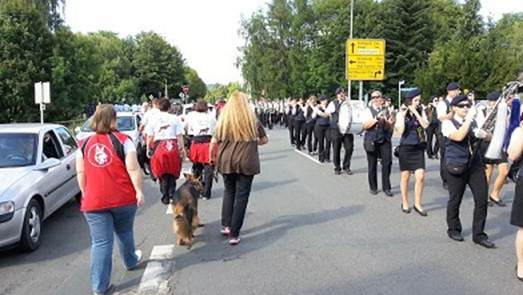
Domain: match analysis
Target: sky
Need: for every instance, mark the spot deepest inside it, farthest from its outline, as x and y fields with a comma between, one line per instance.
x=205, y=31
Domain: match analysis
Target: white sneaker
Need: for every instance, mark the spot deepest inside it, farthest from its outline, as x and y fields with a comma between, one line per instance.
x=138, y=254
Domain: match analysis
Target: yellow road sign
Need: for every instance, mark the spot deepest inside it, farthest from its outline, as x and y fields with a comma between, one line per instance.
x=365, y=59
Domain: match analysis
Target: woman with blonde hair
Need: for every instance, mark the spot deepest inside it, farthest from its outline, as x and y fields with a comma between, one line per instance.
x=237, y=136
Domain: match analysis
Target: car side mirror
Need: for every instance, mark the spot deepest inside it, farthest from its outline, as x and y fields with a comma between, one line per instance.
x=48, y=164
x=77, y=130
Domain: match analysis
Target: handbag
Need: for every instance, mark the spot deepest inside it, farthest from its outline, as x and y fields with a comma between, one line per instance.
x=456, y=168
x=369, y=146
x=396, y=151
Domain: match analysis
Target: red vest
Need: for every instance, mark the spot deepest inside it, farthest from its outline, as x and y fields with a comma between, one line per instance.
x=107, y=183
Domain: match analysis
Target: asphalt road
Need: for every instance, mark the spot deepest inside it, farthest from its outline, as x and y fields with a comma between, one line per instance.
x=306, y=231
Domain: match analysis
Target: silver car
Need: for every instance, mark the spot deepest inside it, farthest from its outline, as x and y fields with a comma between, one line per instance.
x=37, y=177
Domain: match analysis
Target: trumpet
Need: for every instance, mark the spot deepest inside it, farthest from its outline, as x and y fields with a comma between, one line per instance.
x=496, y=120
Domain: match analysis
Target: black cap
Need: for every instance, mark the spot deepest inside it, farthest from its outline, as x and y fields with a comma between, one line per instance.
x=493, y=96
x=453, y=86
x=340, y=90
x=413, y=93
x=459, y=99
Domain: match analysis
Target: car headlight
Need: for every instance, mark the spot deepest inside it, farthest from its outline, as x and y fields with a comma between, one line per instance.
x=7, y=210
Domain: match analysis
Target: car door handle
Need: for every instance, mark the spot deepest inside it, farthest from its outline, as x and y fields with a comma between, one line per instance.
x=68, y=167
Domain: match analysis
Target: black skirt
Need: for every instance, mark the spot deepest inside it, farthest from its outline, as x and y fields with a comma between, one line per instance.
x=412, y=157
x=516, y=217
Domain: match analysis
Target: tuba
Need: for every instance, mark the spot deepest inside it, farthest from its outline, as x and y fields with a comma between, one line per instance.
x=496, y=120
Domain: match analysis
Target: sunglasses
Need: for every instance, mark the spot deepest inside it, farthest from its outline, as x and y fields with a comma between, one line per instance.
x=461, y=106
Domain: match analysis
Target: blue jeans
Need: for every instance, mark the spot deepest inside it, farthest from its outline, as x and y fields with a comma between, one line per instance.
x=102, y=225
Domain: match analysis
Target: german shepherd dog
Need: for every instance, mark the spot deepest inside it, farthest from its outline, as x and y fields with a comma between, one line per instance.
x=185, y=210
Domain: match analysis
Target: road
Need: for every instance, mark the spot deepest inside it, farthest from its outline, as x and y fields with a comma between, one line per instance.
x=307, y=231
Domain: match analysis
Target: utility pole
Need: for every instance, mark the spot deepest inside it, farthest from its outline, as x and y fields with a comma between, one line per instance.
x=349, y=86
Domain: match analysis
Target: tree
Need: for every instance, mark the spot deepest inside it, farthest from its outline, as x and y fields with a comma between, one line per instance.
x=156, y=62
x=197, y=88
x=471, y=23
x=25, y=50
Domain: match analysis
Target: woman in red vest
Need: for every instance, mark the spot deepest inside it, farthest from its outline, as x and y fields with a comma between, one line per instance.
x=200, y=125
x=111, y=184
x=165, y=143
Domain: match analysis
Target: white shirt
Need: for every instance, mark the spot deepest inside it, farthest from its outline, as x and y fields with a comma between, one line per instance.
x=200, y=123
x=367, y=114
x=447, y=127
x=151, y=113
x=344, y=115
x=164, y=126
x=442, y=109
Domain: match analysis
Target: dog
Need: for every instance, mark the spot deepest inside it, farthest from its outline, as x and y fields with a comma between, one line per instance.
x=185, y=210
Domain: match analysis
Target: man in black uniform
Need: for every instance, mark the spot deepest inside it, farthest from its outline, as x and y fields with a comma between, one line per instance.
x=378, y=123
x=464, y=165
x=340, y=113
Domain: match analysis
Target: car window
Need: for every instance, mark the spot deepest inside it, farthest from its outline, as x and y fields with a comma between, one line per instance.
x=18, y=149
x=70, y=145
x=125, y=123
x=51, y=146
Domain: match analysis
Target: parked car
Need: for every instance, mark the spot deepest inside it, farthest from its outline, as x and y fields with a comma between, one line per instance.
x=37, y=164
x=127, y=122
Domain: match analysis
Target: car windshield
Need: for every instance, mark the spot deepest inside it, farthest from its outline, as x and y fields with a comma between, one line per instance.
x=124, y=123
x=17, y=149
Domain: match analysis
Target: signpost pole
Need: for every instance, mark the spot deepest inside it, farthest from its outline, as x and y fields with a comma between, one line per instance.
x=349, y=86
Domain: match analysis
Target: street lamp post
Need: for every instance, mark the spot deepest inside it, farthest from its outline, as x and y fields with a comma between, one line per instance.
x=400, y=83
x=349, y=86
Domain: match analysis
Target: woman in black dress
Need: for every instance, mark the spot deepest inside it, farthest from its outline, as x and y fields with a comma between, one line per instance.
x=411, y=123
x=515, y=150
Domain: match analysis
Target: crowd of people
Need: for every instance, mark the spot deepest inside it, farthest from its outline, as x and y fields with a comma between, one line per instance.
x=447, y=128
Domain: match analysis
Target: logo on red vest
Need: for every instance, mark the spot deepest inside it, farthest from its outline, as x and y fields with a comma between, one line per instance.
x=99, y=155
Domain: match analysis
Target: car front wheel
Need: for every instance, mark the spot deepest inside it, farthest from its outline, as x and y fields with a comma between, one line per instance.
x=32, y=230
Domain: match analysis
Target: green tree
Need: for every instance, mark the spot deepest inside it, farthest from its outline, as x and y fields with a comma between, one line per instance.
x=197, y=88
x=25, y=50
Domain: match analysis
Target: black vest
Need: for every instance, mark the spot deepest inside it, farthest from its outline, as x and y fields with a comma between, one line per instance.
x=413, y=133
x=321, y=120
x=378, y=133
x=462, y=152
x=308, y=115
x=335, y=117
x=298, y=115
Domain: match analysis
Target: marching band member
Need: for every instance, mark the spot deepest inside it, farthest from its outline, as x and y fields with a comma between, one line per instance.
x=515, y=150
x=340, y=114
x=464, y=166
x=321, y=129
x=298, y=122
x=410, y=123
x=377, y=142
x=503, y=166
x=432, y=117
x=165, y=144
x=444, y=112
x=200, y=125
x=310, y=122
x=289, y=110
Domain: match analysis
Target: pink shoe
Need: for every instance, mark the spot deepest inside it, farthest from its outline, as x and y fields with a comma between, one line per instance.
x=225, y=231
x=234, y=241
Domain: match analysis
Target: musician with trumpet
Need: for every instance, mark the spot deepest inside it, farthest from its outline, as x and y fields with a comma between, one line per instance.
x=464, y=166
x=378, y=123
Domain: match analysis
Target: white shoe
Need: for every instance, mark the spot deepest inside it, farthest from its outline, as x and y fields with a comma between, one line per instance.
x=138, y=254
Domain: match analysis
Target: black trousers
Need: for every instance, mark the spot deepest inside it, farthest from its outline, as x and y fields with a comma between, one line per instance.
x=442, y=169
x=207, y=173
x=348, y=145
x=383, y=151
x=167, y=187
x=290, y=125
x=308, y=132
x=299, y=140
x=431, y=134
x=323, y=140
x=235, y=199
x=477, y=181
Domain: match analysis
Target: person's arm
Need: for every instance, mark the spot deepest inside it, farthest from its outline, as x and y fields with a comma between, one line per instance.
x=442, y=112
x=400, y=123
x=368, y=121
x=422, y=119
x=262, y=136
x=515, y=147
x=80, y=171
x=212, y=149
x=133, y=168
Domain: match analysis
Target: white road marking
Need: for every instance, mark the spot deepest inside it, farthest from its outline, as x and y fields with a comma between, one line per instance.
x=155, y=279
x=308, y=157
